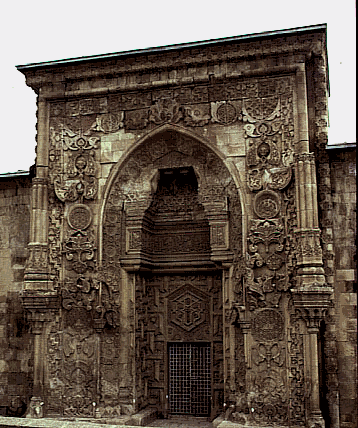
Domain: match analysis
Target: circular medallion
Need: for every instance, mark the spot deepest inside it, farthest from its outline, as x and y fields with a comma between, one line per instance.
x=274, y=261
x=266, y=204
x=267, y=325
x=79, y=217
x=226, y=113
x=109, y=122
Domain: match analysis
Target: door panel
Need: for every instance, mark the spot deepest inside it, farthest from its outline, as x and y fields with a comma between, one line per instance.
x=190, y=378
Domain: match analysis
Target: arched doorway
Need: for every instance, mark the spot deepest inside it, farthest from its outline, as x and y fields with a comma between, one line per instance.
x=172, y=232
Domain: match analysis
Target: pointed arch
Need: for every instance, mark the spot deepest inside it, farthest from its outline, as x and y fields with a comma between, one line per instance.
x=173, y=146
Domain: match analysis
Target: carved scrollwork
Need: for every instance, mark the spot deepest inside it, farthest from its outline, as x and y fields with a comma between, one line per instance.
x=270, y=355
x=136, y=119
x=92, y=293
x=297, y=377
x=72, y=163
x=275, y=178
x=79, y=250
x=266, y=240
x=109, y=122
x=165, y=110
x=79, y=181
x=79, y=374
x=255, y=109
x=196, y=115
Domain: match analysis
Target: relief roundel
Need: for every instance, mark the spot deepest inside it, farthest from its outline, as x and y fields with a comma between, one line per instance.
x=267, y=325
x=226, y=113
x=266, y=204
x=79, y=217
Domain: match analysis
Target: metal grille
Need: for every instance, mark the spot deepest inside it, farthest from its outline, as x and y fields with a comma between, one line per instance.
x=189, y=378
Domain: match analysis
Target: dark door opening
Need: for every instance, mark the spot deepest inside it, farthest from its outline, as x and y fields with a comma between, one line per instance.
x=190, y=378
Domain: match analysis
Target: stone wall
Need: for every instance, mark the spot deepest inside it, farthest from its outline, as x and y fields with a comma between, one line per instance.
x=343, y=181
x=15, y=341
x=250, y=120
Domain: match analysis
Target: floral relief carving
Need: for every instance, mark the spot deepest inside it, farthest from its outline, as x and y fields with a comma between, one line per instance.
x=73, y=170
x=268, y=397
x=264, y=157
x=267, y=325
x=268, y=128
x=79, y=250
x=54, y=358
x=196, y=115
x=78, y=182
x=93, y=294
x=268, y=355
x=109, y=122
x=165, y=110
x=79, y=374
x=136, y=119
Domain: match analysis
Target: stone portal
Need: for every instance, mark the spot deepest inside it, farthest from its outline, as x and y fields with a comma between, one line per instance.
x=175, y=220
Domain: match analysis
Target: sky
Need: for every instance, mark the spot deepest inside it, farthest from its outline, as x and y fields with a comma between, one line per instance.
x=38, y=31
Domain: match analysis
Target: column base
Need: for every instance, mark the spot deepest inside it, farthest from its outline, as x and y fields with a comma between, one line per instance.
x=316, y=420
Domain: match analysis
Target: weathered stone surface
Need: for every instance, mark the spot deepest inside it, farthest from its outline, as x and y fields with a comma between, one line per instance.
x=15, y=340
x=186, y=239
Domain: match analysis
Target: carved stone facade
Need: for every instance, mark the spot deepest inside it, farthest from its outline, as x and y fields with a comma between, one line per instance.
x=177, y=251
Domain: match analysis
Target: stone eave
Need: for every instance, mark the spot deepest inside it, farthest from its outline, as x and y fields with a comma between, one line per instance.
x=20, y=173
x=305, y=40
x=342, y=146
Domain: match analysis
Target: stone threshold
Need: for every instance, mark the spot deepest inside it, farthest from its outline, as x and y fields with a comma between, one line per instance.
x=10, y=422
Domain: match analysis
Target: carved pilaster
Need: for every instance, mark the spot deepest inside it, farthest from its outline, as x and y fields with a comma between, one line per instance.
x=238, y=318
x=36, y=272
x=40, y=307
x=312, y=306
x=309, y=252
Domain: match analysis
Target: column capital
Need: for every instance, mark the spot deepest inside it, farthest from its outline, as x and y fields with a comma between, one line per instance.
x=308, y=157
x=40, y=180
x=312, y=305
x=40, y=307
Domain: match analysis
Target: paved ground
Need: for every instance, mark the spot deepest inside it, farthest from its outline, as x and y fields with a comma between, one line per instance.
x=174, y=422
x=182, y=422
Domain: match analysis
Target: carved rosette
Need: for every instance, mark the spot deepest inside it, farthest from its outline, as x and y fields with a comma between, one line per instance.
x=225, y=112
